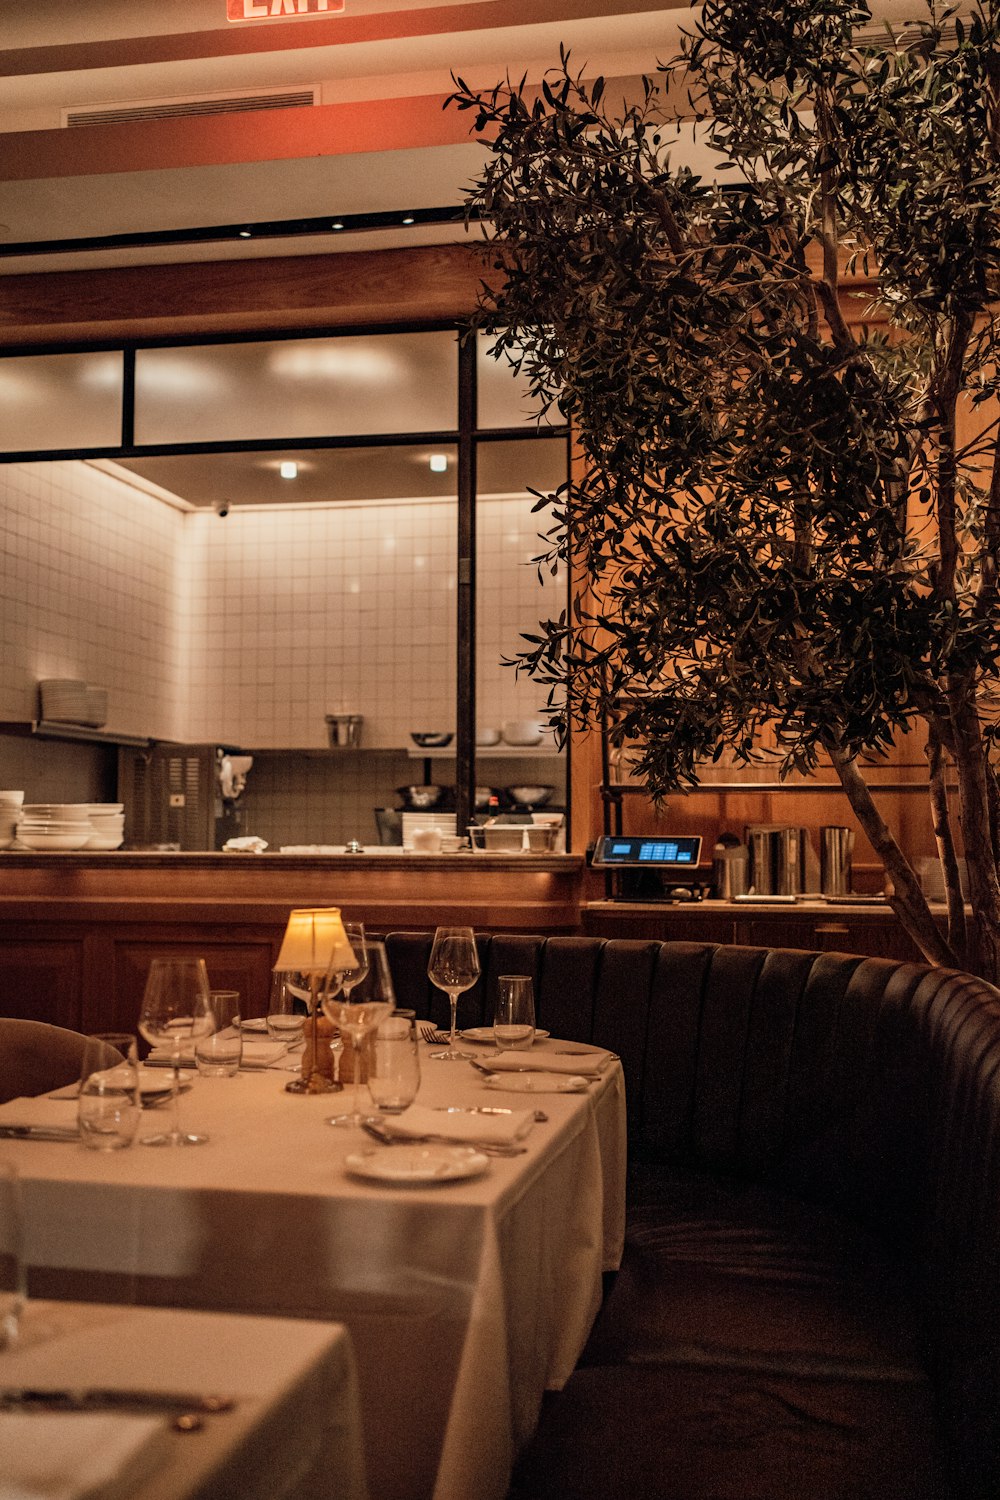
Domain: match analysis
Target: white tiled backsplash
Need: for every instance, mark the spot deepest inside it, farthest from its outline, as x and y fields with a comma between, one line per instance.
x=248, y=630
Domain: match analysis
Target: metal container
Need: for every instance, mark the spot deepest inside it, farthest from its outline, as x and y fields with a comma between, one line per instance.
x=776, y=859
x=344, y=730
x=836, y=845
x=730, y=871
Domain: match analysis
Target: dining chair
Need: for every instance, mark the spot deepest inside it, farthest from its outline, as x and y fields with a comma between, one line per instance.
x=36, y=1057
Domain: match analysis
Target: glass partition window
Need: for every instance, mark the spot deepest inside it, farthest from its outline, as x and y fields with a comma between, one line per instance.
x=61, y=401
x=511, y=599
x=291, y=388
x=504, y=396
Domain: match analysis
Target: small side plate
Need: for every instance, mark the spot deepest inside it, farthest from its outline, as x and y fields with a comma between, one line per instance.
x=417, y=1164
x=485, y=1034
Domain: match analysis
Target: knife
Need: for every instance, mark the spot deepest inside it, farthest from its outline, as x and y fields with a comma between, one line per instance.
x=40, y=1132
x=108, y=1398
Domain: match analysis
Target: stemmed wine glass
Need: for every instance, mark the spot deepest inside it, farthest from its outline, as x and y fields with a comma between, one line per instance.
x=453, y=966
x=176, y=1010
x=358, y=1004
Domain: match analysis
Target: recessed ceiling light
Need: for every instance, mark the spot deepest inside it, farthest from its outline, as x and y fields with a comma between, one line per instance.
x=244, y=234
x=336, y=224
x=409, y=220
x=289, y=469
x=438, y=463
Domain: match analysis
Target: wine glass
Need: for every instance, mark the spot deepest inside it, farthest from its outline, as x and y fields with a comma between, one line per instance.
x=175, y=1010
x=454, y=967
x=286, y=1017
x=358, y=1008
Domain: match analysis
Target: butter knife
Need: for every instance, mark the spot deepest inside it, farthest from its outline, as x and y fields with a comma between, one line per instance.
x=108, y=1398
x=39, y=1132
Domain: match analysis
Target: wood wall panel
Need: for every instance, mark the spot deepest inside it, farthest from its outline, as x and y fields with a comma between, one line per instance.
x=232, y=296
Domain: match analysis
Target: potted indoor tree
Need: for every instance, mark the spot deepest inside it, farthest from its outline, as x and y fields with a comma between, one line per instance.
x=785, y=522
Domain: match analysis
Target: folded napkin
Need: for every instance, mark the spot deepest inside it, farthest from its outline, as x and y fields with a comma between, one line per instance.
x=540, y=1060
x=255, y=1055
x=39, y=1110
x=77, y=1455
x=248, y=845
x=466, y=1126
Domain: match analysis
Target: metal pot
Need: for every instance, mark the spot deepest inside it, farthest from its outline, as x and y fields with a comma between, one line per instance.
x=421, y=798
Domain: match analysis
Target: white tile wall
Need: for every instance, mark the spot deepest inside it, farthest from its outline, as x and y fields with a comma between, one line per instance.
x=247, y=630
x=91, y=585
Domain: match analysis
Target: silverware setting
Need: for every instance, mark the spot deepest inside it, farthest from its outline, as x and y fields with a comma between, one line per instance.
x=39, y=1133
x=109, y=1398
x=539, y=1115
x=488, y=1148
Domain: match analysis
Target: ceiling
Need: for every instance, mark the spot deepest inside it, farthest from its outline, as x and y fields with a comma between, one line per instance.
x=376, y=141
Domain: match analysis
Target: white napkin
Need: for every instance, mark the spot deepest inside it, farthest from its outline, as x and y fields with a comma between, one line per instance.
x=248, y=845
x=540, y=1060
x=77, y=1455
x=39, y=1110
x=255, y=1055
x=463, y=1125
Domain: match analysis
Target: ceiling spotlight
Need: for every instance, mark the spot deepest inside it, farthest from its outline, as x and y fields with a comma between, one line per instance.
x=245, y=234
x=438, y=463
x=289, y=469
x=409, y=220
x=336, y=224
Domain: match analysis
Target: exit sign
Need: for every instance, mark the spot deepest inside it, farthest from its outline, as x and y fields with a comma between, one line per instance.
x=278, y=10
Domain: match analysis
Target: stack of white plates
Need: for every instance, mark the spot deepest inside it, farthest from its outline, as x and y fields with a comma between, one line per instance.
x=55, y=825
x=10, y=812
x=107, y=821
x=443, y=822
x=64, y=699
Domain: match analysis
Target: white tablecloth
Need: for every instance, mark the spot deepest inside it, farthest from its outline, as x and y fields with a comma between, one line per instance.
x=293, y=1434
x=465, y=1300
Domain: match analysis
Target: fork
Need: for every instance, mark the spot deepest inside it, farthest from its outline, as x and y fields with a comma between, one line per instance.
x=488, y=1148
x=429, y=1032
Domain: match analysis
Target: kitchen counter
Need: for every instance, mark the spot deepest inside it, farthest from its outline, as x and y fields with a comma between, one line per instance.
x=78, y=930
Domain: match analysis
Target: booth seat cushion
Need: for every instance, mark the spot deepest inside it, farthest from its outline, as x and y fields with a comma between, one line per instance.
x=744, y=1276
x=682, y=1432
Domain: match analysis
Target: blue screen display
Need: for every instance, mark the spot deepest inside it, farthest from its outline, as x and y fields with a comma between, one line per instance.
x=683, y=850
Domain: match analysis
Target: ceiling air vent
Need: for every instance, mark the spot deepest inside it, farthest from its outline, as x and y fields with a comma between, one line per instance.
x=174, y=109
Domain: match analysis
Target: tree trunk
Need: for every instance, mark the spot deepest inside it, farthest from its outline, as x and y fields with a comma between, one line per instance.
x=906, y=898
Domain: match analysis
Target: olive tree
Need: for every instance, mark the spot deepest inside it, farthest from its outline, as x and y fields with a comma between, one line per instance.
x=786, y=521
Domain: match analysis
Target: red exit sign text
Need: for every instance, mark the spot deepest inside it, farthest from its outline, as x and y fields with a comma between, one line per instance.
x=277, y=10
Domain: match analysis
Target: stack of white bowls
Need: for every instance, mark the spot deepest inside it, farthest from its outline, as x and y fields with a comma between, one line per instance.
x=10, y=812
x=55, y=826
x=107, y=822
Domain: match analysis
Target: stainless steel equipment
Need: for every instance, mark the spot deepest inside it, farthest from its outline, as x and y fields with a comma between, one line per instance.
x=730, y=870
x=344, y=730
x=836, y=845
x=777, y=859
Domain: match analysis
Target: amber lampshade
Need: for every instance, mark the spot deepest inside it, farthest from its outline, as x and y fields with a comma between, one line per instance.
x=314, y=941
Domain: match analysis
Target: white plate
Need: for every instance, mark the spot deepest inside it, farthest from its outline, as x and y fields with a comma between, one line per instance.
x=485, y=1034
x=417, y=1163
x=255, y=1023
x=537, y=1083
x=160, y=1082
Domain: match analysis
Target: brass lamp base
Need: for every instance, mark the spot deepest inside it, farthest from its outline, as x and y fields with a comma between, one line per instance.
x=316, y=1083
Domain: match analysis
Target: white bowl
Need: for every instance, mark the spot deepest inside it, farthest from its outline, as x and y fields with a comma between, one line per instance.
x=104, y=841
x=102, y=809
x=13, y=799
x=522, y=732
x=52, y=841
x=487, y=736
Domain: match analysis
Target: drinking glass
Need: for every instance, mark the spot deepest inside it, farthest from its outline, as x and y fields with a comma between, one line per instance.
x=109, y=1106
x=453, y=967
x=219, y=1054
x=13, y=1286
x=358, y=1010
x=514, y=1017
x=176, y=1011
x=286, y=1016
x=393, y=1065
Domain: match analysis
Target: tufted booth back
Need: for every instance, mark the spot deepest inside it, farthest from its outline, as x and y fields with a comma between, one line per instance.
x=866, y=1083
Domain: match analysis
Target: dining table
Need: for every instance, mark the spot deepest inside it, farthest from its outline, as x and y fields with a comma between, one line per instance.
x=467, y=1295
x=135, y=1403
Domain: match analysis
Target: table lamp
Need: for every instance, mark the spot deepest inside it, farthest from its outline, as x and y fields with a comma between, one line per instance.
x=314, y=942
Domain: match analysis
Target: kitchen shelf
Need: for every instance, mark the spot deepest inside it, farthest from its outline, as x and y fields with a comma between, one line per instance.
x=490, y=752
x=50, y=729
x=615, y=789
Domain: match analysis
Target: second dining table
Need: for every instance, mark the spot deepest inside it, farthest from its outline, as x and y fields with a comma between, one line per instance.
x=466, y=1298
